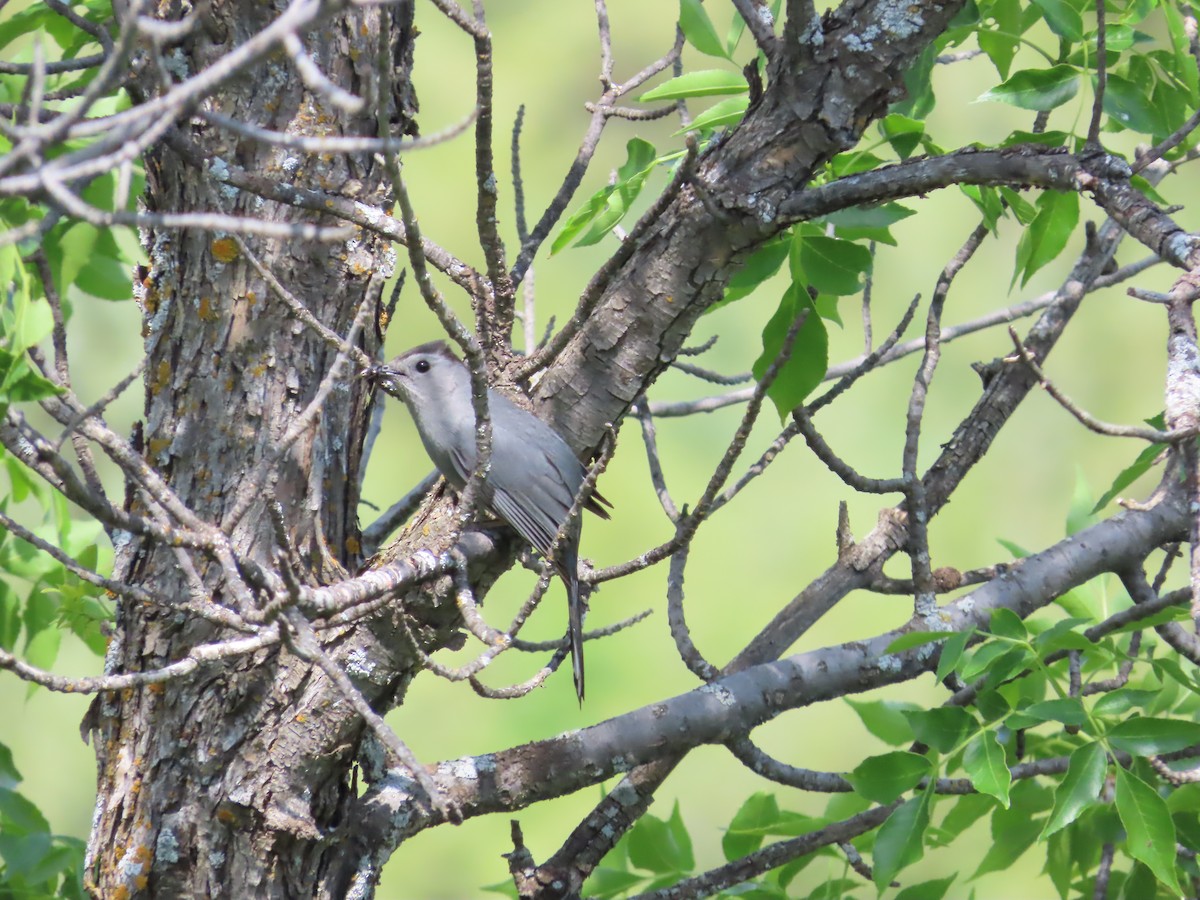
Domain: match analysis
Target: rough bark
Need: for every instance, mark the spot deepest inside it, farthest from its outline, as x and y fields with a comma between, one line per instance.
x=211, y=783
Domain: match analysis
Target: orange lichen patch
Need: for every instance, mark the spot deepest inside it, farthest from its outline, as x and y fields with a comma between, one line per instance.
x=224, y=249
x=226, y=816
x=251, y=297
x=301, y=718
x=158, y=445
x=352, y=545
x=206, y=311
x=258, y=371
x=121, y=893
x=162, y=377
x=156, y=687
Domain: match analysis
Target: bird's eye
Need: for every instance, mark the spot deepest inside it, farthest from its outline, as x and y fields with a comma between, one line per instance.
x=422, y=366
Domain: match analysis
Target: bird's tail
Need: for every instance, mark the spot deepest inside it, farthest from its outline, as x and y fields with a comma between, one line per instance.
x=575, y=626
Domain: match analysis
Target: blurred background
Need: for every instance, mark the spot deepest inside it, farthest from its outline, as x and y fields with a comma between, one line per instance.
x=759, y=551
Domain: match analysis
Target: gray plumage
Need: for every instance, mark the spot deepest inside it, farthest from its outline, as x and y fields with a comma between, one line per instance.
x=534, y=475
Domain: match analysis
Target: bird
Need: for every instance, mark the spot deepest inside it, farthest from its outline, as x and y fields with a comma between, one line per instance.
x=534, y=474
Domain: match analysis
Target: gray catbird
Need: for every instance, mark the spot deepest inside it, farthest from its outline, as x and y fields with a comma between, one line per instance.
x=534, y=475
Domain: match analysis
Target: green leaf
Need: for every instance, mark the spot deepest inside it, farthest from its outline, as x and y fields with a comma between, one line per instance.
x=987, y=199
x=762, y=264
x=1067, y=710
x=661, y=847
x=605, y=209
x=25, y=22
x=918, y=639
x=918, y=85
x=868, y=223
x=705, y=83
x=745, y=833
x=41, y=649
x=901, y=839
x=106, y=278
x=876, y=216
x=26, y=323
x=853, y=162
x=942, y=728
x=20, y=814
x=758, y=818
x=1150, y=833
x=1130, y=474
x=10, y=617
x=1129, y=105
x=698, y=29
x=737, y=26
x=926, y=890
x=831, y=265
x=1015, y=549
x=729, y=111
x=10, y=777
x=1000, y=49
x=986, y=766
x=1079, y=789
x=804, y=369
x=884, y=778
x=69, y=251
x=1063, y=19
x=1005, y=623
x=1060, y=862
x=1021, y=208
x=1001, y=44
x=1036, y=89
x=1063, y=636
x=952, y=652
x=1014, y=830
x=903, y=133
x=966, y=811
x=630, y=179
x=1047, y=234
x=1140, y=884
x=997, y=658
x=1080, y=515
x=1122, y=700
x=886, y=719
x=1146, y=736
x=603, y=883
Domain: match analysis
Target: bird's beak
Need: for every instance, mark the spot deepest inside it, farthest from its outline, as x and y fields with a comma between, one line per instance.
x=382, y=377
x=373, y=373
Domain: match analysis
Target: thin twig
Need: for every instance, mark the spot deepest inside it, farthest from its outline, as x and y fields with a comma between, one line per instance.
x=924, y=594
x=1142, y=432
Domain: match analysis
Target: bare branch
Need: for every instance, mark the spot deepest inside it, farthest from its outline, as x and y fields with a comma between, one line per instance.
x=1085, y=418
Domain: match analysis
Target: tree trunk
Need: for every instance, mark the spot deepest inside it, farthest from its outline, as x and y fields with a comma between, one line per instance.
x=225, y=784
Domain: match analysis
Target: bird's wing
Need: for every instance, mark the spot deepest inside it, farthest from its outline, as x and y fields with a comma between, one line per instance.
x=530, y=522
